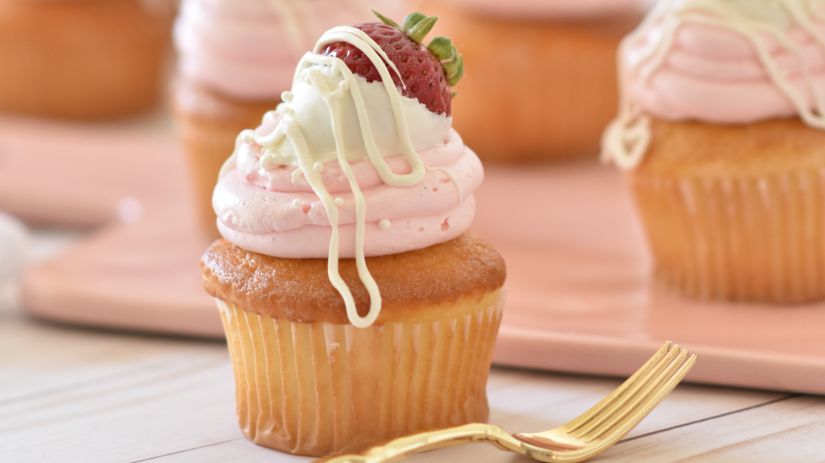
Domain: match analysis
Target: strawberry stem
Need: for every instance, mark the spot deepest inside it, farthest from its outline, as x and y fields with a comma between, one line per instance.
x=411, y=20
x=386, y=20
x=421, y=28
x=451, y=60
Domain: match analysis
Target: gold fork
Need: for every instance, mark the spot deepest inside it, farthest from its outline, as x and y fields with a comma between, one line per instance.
x=583, y=438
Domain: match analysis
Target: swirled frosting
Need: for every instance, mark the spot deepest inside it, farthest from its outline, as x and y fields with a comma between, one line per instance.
x=347, y=168
x=728, y=62
x=275, y=212
x=248, y=48
x=554, y=8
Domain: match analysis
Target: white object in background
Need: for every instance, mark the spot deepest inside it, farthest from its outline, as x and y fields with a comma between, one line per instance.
x=14, y=243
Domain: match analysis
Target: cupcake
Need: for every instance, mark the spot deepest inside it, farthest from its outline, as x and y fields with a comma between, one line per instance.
x=235, y=59
x=721, y=131
x=356, y=307
x=83, y=59
x=545, y=70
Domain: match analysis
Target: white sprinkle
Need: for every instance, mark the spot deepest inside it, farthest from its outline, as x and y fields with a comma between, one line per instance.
x=269, y=159
x=298, y=177
x=318, y=166
x=384, y=224
x=286, y=97
x=339, y=200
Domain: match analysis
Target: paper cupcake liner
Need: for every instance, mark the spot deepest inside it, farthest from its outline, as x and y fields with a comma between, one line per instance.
x=738, y=239
x=207, y=124
x=320, y=388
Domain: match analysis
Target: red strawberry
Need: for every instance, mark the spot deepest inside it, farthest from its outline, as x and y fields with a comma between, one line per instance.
x=427, y=72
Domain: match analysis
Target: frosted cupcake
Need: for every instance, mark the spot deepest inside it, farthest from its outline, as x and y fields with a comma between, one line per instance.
x=236, y=57
x=722, y=132
x=356, y=307
x=83, y=59
x=546, y=70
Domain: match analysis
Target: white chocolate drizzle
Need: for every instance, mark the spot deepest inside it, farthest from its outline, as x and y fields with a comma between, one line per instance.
x=310, y=170
x=627, y=138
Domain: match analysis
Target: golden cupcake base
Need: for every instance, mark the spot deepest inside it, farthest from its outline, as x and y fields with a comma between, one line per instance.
x=310, y=383
x=323, y=388
x=736, y=213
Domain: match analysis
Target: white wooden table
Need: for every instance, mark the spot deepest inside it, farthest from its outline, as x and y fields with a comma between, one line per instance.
x=77, y=395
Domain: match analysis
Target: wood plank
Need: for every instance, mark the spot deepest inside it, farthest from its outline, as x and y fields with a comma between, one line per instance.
x=790, y=431
x=554, y=399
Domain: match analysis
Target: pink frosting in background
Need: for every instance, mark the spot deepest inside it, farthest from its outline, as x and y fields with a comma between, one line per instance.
x=554, y=8
x=264, y=211
x=715, y=75
x=244, y=48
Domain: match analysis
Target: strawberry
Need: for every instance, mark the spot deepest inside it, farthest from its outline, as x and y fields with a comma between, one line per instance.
x=427, y=72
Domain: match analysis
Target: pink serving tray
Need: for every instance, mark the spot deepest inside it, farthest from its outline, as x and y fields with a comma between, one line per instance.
x=579, y=294
x=84, y=174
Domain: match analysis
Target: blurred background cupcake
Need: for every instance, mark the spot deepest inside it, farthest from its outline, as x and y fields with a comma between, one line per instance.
x=83, y=59
x=543, y=75
x=722, y=133
x=235, y=59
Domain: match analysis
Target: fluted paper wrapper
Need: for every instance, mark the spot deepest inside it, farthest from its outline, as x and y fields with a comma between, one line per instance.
x=738, y=239
x=319, y=388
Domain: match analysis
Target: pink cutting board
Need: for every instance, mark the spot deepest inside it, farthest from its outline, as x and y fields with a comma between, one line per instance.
x=83, y=175
x=579, y=296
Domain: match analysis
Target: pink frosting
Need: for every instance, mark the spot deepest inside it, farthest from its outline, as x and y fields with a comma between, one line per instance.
x=264, y=211
x=554, y=8
x=714, y=74
x=244, y=48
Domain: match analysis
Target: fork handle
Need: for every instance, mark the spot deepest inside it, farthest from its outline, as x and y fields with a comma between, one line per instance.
x=425, y=441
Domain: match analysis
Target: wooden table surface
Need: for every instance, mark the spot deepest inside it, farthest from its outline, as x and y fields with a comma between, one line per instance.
x=77, y=395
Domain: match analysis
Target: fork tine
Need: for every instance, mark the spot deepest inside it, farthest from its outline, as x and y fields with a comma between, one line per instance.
x=623, y=427
x=649, y=392
x=595, y=409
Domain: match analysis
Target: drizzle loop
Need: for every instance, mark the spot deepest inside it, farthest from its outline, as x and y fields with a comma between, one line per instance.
x=288, y=129
x=627, y=138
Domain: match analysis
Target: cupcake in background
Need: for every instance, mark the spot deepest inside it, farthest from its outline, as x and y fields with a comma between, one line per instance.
x=722, y=132
x=356, y=307
x=83, y=59
x=542, y=82
x=235, y=59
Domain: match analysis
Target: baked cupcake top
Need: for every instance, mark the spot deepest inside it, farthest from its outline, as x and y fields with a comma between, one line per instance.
x=571, y=9
x=248, y=48
x=719, y=61
x=360, y=158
